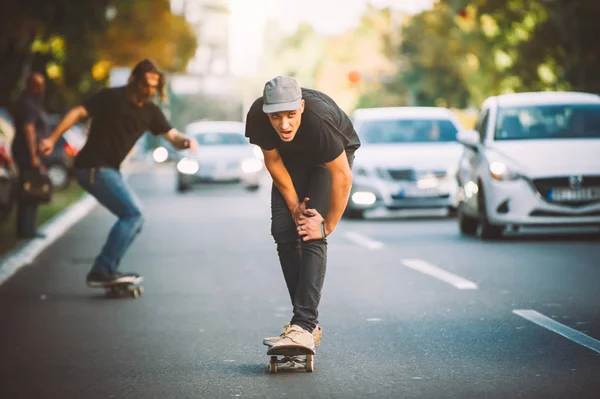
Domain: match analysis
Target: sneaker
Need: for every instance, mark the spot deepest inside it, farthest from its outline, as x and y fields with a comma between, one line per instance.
x=273, y=340
x=295, y=336
x=99, y=279
x=317, y=335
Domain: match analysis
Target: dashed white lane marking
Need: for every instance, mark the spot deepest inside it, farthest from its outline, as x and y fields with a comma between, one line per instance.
x=561, y=329
x=439, y=273
x=363, y=240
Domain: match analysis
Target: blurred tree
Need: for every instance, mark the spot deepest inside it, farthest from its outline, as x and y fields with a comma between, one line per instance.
x=541, y=44
x=34, y=33
x=65, y=39
x=433, y=59
x=147, y=29
x=356, y=65
x=299, y=55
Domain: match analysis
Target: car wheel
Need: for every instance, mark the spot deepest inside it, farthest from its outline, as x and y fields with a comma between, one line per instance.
x=253, y=188
x=488, y=231
x=59, y=176
x=467, y=224
x=182, y=186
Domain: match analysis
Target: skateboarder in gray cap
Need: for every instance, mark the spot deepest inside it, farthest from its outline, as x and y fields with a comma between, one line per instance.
x=308, y=144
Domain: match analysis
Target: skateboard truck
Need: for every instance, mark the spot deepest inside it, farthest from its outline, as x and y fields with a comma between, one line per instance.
x=293, y=358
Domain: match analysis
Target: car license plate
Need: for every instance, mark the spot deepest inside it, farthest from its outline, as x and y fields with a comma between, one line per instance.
x=415, y=192
x=568, y=195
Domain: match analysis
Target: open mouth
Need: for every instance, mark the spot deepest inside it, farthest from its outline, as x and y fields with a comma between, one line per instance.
x=286, y=135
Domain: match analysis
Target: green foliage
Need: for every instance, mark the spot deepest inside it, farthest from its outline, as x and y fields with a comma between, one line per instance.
x=67, y=39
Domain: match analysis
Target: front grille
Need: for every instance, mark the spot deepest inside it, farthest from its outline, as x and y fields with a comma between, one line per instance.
x=424, y=198
x=544, y=185
x=403, y=174
x=414, y=175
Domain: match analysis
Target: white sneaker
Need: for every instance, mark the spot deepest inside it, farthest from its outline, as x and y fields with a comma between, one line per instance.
x=296, y=336
x=317, y=335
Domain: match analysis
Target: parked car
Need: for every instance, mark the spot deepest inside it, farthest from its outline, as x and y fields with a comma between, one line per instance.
x=532, y=160
x=8, y=171
x=59, y=163
x=225, y=155
x=407, y=160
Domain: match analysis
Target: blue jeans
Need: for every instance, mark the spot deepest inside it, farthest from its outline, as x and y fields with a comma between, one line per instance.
x=109, y=188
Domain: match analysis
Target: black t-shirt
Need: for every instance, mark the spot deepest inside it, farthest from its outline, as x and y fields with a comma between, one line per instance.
x=29, y=110
x=325, y=131
x=117, y=123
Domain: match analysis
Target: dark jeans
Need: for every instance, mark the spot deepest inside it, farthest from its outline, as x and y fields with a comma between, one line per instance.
x=27, y=211
x=303, y=262
x=109, y=188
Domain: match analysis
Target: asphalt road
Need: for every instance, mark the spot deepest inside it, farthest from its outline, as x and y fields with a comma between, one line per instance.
x=410, y=309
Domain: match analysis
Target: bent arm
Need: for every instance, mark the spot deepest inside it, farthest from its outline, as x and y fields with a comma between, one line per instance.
x=72, y=117
x=341, y=182
x=281, y=178
x=178, y=139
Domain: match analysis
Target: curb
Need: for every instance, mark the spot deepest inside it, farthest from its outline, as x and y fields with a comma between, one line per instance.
x=54, y=228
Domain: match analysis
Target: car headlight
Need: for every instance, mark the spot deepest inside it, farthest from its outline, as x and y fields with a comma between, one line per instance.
x=188, y=166
x=363, y=198
x=501, y=172
x=160, y=154
x=251, y=165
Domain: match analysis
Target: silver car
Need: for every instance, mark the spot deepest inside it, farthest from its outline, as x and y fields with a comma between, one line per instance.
x=225, y=155
x=408, y=160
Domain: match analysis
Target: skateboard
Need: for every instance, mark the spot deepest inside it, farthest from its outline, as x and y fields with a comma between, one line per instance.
x=293, y=358
x=132, y=288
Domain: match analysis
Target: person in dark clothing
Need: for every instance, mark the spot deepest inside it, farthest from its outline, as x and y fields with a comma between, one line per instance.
x=31, y=125
x=120, y=116
x=308, y=144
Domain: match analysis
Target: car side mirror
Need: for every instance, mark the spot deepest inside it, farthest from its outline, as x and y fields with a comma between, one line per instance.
x=468, y=138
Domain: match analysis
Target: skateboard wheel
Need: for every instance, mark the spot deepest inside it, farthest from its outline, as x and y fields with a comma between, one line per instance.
x=310, y=363
x=141, y=290
x=135, y=293
x=273, y=365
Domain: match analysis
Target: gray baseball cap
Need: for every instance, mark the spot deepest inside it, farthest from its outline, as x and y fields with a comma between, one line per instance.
x=281, y=94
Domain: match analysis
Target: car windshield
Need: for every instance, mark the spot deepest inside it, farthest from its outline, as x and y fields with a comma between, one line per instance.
x=406, y=131
x=221, y=139
x=548, y=122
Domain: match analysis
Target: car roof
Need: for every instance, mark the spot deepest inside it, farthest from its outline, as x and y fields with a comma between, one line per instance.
x=402, y=112
x=546, y=98
x=214, y=126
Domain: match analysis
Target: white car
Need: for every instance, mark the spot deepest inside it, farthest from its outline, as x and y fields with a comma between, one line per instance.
x=532, y=160
x=225, y=155
x=407, y=160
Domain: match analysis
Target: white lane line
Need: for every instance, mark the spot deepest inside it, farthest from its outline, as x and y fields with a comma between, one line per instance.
x=439, y=273
x=363, y=240
x=561, y=329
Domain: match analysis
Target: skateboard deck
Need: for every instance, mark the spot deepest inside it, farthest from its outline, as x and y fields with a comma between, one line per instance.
x=291, y=357
x=131, y=288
